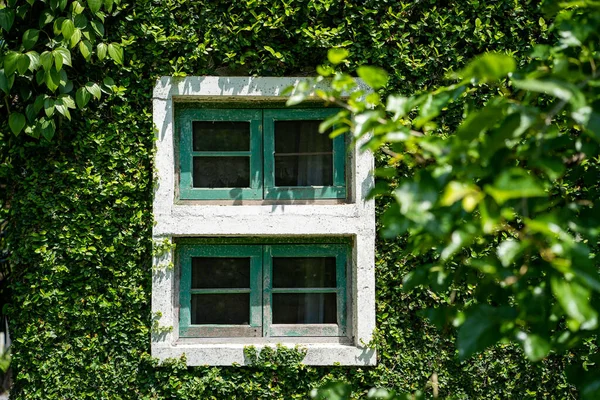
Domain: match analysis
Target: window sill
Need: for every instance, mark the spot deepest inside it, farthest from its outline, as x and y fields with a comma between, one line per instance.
x=221, y=354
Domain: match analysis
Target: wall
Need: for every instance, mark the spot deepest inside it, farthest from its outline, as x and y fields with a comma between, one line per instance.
x=81, y=205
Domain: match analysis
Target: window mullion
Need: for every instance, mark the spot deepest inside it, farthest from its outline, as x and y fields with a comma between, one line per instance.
x=341, y=283
x=268, y=124
x=256, y=312
x=267, y=269
x=185, y=284
x=256, y=157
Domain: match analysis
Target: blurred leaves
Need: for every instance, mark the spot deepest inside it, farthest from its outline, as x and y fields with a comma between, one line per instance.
x=499, y=212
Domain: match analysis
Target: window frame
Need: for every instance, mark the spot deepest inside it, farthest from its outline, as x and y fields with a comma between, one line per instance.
x=261, y=291
x=185, y=120
x=261, y=153
x=176, y=221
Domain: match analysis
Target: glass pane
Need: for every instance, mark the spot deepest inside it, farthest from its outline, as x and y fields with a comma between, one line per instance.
x=301, y=137
x=222, y=309
x=221, y=172
x=220, y=272
x=304, y=308
x=303, y=156
x=295, y=272
x=221, y=136
x=310, y=170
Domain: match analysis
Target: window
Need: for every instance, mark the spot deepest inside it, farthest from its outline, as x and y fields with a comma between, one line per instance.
x=251, y=154
x=293, y=263
x=270, y=290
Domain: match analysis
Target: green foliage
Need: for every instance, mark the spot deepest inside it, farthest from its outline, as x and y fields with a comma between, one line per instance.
x=79, y=222
x=39, y=40
x=507, y=204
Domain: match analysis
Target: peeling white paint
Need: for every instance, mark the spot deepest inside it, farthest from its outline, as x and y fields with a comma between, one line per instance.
x=356, y=218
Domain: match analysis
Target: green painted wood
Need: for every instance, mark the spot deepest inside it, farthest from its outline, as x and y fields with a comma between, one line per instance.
x=337, y=191
x=221, y=153
x=339, y=251
x=262, y=180
x=267, y=289
x=304, y=290
x=184, y=120
x=261, y=287
x=219, y=291
x=185, y=254
x=305, y=193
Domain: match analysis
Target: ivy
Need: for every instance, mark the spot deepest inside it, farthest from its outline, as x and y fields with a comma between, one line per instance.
x=80, y=216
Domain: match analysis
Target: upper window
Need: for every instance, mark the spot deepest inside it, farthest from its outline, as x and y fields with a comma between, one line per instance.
x=253, y=154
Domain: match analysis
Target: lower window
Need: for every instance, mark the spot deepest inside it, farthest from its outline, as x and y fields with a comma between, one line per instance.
x=262, y=290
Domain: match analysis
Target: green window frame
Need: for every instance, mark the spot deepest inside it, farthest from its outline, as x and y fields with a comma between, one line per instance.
x=261, y=154
x=261, y=289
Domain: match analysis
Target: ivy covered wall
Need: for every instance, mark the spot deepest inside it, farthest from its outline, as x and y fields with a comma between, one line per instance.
x=80, y=215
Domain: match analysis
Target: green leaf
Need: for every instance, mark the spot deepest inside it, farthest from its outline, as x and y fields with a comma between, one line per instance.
x=67, y=100
x=108, y=4
x=82, y=97
x=94, y=89
x=98, y=27
x=47, y=59
x=48, y=129
x=515, y=183
x=45, y=18
x=508, y=251
x=67, y=28
x=479, y=121
x=116, y=53
x=80, y=21
x=373, y=76
x=575, y=300
x=30, y=38
x=75, y=38
x=101, y=50
x=11, y=59
x=480, y=330
x=488, y=67
x=7, y=18
x=52, y=79
x=534, y=346
x=22, y=64
x=399, y=105
x=34, y=60
x=337, y=56
x=16, y=121
x=64, y=53
x=38, y=104
x=62, y=109
x=49, y=107
x=274, y=53
x=332, y=391
x=554, y=87
x=94, y=5
x=6, y=82
x=85, y=47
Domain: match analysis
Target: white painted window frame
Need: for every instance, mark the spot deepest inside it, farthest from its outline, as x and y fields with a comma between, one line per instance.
x=355, y=218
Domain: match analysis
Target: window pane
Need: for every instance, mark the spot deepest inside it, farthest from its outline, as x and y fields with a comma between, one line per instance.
x=220, y=272
x=221, y=172
x=296, y=272
x=301, y=137
x=222, y=309
x=303, y=156
x=308, y=170
x=304, y=308
x=221, y=136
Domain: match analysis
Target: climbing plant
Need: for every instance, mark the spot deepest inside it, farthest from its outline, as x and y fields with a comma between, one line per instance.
x=501, y=215
x=78, y=207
